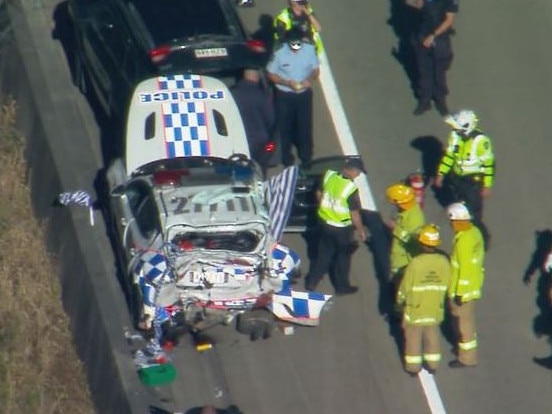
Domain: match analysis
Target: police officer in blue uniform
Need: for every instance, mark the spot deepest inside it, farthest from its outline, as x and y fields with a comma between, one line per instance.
x=433, y=50
x=293, y=69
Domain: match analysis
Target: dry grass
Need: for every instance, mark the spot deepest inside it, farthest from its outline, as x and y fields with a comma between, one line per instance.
x=39, y=369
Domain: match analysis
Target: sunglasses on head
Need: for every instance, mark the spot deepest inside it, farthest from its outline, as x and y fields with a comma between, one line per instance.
x=295, y=44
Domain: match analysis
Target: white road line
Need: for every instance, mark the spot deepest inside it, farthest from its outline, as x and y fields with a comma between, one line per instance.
x=431, y=392
x=348, y=147
x=341, y=125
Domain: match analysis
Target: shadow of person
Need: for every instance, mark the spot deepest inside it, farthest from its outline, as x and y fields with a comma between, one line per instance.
x=379, y=244
x=542, y=323
x=403, y=21
x=265, y=32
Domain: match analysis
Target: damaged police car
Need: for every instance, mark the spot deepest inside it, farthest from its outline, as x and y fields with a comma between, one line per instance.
x=197, y=228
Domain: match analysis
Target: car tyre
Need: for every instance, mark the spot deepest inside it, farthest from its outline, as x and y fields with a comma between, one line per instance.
x=258, y=324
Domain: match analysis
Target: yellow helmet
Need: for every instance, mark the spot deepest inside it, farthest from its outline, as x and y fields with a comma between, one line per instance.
x=399, y=193
x=429, y=235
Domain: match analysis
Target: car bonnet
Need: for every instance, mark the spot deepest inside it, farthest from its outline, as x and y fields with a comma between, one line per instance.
x=180, y=116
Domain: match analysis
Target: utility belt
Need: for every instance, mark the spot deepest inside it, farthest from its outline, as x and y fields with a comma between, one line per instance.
x=339, y=224
x=334, y=224
x=476, y=178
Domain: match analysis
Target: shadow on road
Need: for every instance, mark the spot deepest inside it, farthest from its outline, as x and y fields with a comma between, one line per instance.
x=403, y=22
x=542, y=323
x=379, y=244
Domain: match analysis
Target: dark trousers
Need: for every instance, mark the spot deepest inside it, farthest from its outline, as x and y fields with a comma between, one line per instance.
x=294, y=121
x=467, y=188
x=335, y=248
x=433, y=64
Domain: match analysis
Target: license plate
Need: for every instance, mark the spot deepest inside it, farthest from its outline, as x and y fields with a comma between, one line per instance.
x=215, y=277
x=211, y=53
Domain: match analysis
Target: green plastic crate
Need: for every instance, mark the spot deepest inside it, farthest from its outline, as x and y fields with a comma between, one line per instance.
x=155, y=375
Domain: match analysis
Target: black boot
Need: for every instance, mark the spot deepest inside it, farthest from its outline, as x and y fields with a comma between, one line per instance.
x=423, y=106
x=441, y=106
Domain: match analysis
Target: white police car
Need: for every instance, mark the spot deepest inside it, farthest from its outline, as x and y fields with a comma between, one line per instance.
x=182, y=116
x=197, y=229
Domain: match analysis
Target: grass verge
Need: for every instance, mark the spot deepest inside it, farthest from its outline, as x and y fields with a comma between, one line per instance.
x=39, y=368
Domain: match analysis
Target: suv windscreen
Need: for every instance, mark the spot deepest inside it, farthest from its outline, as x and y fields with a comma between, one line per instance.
x=168, y=20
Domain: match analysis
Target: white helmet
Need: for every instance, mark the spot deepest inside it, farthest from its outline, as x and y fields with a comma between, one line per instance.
x=458, y=211
x=464, y=121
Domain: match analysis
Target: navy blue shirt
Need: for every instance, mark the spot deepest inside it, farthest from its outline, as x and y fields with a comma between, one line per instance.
x=256, y=110
x=433, y=13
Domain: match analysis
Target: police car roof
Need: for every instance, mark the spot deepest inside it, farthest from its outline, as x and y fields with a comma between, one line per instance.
x=181, y=116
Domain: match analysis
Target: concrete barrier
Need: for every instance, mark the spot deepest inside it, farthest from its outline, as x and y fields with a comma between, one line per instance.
x=57, y=148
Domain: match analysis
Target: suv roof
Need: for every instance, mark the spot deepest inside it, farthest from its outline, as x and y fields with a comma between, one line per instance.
x=182, y=116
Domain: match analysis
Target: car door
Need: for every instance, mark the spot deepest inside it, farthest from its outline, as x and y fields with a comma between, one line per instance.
x=303, y=211
x=107, y=45
x=135, y=218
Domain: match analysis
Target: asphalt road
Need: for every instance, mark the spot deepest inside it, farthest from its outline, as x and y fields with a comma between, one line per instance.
x=501, y=70
x=351, y=362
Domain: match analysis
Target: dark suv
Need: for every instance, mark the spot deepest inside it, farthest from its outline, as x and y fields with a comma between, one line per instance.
x=121, y=42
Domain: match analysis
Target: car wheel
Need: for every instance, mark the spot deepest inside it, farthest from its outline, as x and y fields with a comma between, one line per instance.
x=258, y=323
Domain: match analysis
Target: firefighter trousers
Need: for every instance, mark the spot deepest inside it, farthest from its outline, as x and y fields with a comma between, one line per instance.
x=422, y=346
x=463, y=324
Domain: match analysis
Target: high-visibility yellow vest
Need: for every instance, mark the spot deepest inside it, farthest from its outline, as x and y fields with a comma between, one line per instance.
x=468, y=273
x=423, y=289
x=286, y=18
x=469, y=156
x=334, y=206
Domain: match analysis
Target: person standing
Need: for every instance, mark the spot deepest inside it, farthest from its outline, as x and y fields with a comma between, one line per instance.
x=257, y=112
x=339, y=217
x=298, y=15
x=421, y=296
x=405, y=226
x=433, y=49
x=467, y=257
x=468, y=163
x=293, y=69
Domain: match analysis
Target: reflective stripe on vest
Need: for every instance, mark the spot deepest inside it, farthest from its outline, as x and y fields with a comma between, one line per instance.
x=420, y=321
x=473, y=164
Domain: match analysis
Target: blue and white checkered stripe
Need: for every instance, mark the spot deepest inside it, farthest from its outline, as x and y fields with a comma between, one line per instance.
x=279, y=192
x=185, y=123
x=299, y=307
x=152, y=266
x=184, y=81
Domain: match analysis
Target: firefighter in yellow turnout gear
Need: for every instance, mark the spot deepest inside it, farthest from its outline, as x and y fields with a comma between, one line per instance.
x=408, y=221
x=421, y=295
x=467, y=258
